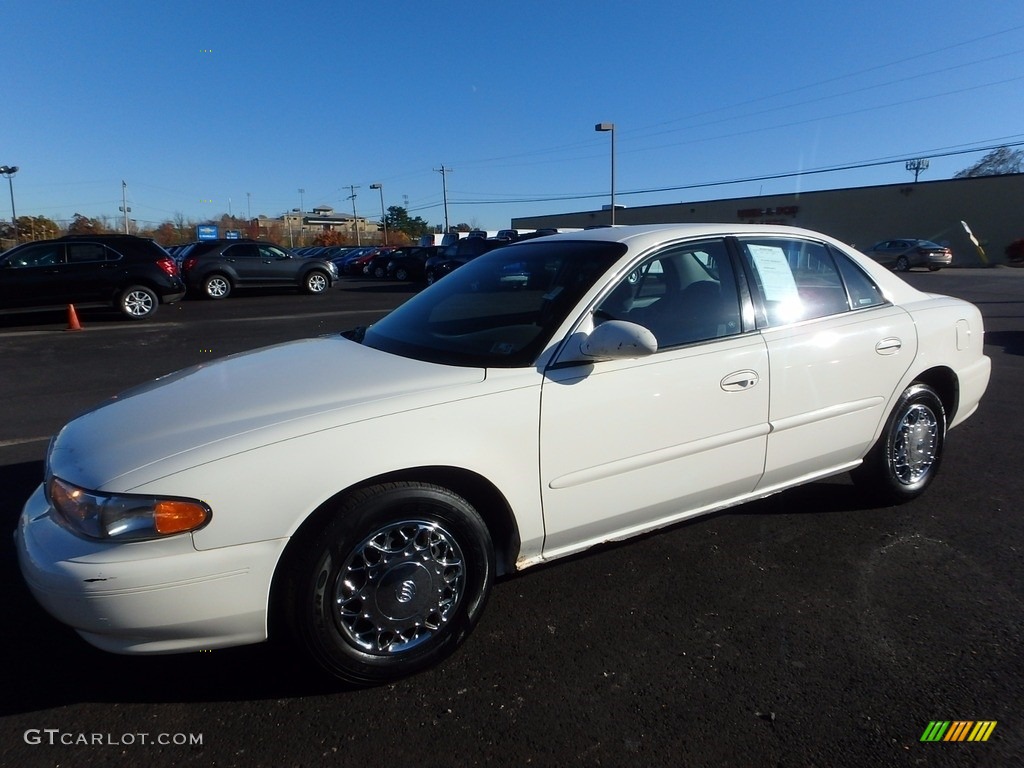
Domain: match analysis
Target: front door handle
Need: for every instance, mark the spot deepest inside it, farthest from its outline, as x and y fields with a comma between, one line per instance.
x=740, y=381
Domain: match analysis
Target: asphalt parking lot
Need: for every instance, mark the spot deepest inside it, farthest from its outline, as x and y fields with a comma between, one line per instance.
x=807, y=629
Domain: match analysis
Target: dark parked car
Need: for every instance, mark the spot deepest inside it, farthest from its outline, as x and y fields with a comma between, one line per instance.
x=457, y=254
x=409, y=263
x=132, y=274
x=216, y=267
x=378, y=265
x=904, y=254
x=354, y=263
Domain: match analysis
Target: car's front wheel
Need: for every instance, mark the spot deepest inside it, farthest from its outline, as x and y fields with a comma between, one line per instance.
x=216, y=287
x=906, y=457
x=316, y=282
x=392, y=584
x=401, y=274
x=902, y=264
x=138, y=302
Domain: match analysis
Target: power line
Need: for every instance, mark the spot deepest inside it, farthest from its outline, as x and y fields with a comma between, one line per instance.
x=743, y=180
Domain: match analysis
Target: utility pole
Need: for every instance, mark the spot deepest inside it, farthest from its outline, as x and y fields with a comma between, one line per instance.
x=124, y=205
x=444, y=191
x=355, y=223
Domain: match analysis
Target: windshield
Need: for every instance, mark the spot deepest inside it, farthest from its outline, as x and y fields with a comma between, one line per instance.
x=498, y=310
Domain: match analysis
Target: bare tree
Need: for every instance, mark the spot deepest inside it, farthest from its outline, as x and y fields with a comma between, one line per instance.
x=998, y=162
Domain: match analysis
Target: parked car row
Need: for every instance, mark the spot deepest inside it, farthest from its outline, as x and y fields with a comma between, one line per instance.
x=135, y=275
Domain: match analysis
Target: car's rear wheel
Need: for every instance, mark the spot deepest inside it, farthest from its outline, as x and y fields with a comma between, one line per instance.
x=379, y=272
x=902, y=264
x=392, y=584
x=431, y=277
x=401, y=274
x=217, y=287
x=316, y=282
x=933, y=268
x=906, y=458
x=137, y=302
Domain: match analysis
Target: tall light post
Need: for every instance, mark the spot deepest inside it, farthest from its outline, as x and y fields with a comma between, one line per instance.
x=610, y=127
x=916, y=166
x=383, y=217
x=9, y=171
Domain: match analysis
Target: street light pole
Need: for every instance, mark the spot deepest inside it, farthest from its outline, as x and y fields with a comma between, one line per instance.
x=9, y=171
x=383, y=217
x=610, y=127
x=916, y=166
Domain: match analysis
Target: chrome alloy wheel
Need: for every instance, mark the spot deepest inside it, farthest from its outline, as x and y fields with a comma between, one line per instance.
x=138, y=303
x=399, y=587
x=217, y=287
x=316, y=283
x=915, y=440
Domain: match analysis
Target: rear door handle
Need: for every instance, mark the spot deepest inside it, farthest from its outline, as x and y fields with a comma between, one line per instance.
x=889, y=346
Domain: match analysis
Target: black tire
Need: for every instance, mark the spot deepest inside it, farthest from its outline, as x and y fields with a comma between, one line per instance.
x=933, y=268
x=379, y=273
x=391, y=585
x=137, y=302
x=401, y=274
x=904, y=461
x=431, y=278
x=902, y=264
x=217, y=286
x=316, y=282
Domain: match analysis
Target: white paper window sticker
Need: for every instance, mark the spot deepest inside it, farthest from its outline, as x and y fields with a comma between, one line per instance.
x=776, y=276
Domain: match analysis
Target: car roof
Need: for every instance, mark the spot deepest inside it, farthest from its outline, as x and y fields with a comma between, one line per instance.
x=635, y=235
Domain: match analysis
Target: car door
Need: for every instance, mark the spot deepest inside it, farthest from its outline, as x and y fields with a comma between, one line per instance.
x=91, y=272
x=31, y=276
x=627, y=445
x=277, y=266
x=244, y=259
x=837, y=351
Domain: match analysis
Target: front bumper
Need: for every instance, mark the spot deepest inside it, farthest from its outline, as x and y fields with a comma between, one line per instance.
x=146, y=597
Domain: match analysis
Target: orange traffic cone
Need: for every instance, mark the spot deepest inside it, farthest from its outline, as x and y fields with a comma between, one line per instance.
x=73, y=324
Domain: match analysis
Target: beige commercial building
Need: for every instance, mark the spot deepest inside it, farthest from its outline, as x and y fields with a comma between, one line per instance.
x=991, y=206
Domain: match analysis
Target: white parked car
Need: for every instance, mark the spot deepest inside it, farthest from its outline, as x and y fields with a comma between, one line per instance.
x=362, y=491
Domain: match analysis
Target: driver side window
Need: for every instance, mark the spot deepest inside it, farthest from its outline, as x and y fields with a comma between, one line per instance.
x=684, y=294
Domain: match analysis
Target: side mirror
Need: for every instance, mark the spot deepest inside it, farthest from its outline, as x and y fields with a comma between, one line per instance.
x=619, y=340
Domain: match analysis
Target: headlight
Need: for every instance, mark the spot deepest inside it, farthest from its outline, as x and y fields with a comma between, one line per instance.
x=123, y=517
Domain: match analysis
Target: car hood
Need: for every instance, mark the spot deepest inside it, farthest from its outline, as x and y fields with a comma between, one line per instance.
x=240, y=402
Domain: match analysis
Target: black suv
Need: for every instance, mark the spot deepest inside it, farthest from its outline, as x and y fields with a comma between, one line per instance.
x=217, y=267
x=132, y=274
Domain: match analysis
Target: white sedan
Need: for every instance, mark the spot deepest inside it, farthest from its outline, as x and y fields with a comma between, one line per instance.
x=360, y=492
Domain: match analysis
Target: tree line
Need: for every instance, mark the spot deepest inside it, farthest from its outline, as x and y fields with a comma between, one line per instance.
x=402, y=229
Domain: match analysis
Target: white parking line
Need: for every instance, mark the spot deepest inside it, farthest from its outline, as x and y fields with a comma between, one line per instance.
x=23, y=441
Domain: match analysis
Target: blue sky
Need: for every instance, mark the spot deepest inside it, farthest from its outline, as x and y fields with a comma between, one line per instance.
x=202, y=107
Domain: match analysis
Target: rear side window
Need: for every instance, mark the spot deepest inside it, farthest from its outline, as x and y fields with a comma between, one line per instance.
x=861, y=289
x=795, y=279
x=85, y=253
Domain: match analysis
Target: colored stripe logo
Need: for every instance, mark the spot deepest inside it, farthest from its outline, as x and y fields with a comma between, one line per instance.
x=958, y=730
